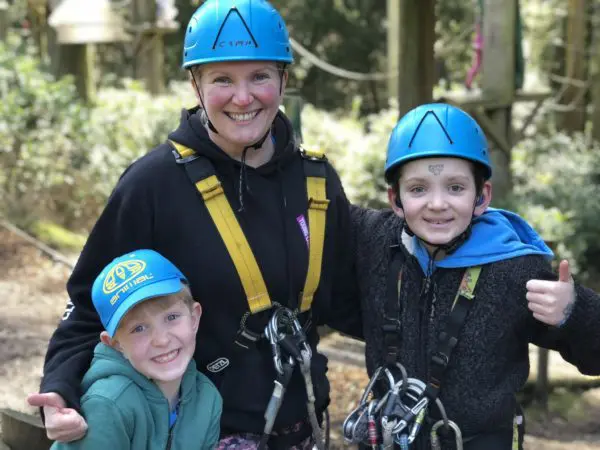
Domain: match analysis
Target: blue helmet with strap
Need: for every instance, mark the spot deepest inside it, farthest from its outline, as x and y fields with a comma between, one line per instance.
x=436, y=130
x=236, y=30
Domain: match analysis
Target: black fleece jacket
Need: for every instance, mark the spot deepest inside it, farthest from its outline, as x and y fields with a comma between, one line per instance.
x=156, y=206
x=490, y=363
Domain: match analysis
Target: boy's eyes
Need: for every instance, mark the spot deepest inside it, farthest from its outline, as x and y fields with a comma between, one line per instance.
x=138, y=329
x=454, y=188
x=173, y=316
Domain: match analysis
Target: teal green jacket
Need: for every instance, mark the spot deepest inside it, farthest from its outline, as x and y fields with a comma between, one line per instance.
x=126, y=411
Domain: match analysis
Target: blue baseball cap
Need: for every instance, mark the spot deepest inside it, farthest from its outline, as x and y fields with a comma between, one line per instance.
x=130, y=279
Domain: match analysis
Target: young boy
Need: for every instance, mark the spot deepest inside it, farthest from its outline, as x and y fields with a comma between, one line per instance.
x=142, y=390
x=440, y=236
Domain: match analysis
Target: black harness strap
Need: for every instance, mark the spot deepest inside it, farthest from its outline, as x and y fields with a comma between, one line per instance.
x=392, y=326
x=448, y=338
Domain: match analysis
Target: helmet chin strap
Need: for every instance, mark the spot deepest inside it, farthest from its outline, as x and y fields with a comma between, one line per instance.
x=449, y=247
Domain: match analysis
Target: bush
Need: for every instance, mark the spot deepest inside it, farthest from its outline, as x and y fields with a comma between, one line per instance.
x=40, y=125
x=357, y=149
x=61, y=158
x=557, y=187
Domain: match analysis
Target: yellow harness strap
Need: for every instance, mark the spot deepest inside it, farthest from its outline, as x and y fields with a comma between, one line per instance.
x=236, y=243
x=317, y=215
x=229, y=228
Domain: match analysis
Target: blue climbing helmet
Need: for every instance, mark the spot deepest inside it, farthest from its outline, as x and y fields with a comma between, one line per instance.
x=236, y=30
x=436, y=130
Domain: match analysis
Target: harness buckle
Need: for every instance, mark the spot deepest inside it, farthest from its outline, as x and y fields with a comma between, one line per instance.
x=313, y=155
x=440, y=358
x=183, y=160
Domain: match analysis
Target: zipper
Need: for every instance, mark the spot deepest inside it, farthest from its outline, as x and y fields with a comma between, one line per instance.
x=170, y=438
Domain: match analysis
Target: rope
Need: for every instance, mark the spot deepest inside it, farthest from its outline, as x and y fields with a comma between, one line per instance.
x=337, y=71
x=360, y=76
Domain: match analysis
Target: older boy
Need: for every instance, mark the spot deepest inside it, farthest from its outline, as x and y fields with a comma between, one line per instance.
x=458, y=290
x=142, y=390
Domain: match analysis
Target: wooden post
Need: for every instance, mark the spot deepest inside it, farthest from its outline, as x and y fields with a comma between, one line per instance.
x=79, y=61
x=416, y=63
x=149, y=60
x=53, y=44
x=3, y=20
x=293, y=103
x=393, y=45
x=573, y=119
x=541, y=383
x=595, y=78
x=36, y=13
x=498, y=85
x=23, y=431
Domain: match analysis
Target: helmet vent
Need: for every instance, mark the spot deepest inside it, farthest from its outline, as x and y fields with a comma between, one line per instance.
x=231, y=11
x=421, y=123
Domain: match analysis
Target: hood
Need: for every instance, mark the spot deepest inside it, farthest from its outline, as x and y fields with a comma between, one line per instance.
x=496, y=235
x=109, y=362
x=193, y=134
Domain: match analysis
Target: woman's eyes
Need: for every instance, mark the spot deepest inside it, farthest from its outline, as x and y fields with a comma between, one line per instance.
x=456, y=188
x=222, y=80
x=261, y=76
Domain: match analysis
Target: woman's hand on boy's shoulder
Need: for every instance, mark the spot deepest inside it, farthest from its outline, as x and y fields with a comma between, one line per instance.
x=62, y=424
x=551, y=302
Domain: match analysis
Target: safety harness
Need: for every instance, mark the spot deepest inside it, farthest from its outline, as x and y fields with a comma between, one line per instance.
x=202, y=173
x=286, y=336
x=397, y=416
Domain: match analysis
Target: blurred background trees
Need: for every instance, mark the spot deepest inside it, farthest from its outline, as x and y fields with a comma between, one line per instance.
x=60, y=156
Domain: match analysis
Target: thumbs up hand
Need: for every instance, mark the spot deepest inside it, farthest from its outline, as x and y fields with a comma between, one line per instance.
x=551, y=302
x=62, y=423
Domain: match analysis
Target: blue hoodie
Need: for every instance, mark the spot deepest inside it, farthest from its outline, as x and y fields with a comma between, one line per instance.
x=496, y=235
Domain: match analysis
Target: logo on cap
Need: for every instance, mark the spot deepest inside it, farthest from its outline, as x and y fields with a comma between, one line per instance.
x=121, y=274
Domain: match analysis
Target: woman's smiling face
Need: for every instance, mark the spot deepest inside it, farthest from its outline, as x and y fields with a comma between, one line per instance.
x=241, y=100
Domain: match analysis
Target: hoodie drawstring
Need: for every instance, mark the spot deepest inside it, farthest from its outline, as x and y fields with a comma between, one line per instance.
x=243, y=184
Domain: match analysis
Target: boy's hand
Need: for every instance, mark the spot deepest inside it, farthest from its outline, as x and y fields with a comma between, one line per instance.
x=62, y=424
x=552, y=301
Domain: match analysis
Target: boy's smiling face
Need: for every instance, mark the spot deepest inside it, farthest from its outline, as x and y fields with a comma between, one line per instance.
x=158, y=337
x=438, y=198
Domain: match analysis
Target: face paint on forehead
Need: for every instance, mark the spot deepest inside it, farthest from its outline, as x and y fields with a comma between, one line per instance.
x=436, y=169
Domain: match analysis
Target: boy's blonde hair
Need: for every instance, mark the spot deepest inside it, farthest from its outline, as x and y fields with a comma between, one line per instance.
x=157, y=304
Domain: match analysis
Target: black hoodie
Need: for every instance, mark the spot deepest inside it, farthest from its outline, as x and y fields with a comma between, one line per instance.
x=156, y=206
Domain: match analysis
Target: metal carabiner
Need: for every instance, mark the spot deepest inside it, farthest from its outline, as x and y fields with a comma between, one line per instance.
x=299, y=331
x=414, y=430
x=355, y=415
x=435, y=439
x=401, y=412
x=274, y=336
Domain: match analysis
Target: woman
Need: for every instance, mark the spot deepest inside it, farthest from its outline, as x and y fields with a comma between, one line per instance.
x=254, y=223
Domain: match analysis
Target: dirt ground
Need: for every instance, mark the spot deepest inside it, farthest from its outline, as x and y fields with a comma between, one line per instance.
x=32, y=289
